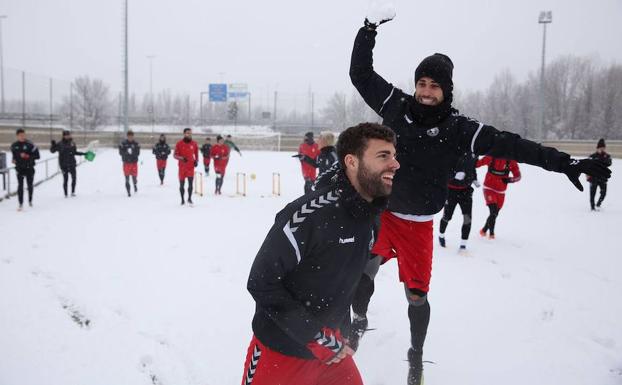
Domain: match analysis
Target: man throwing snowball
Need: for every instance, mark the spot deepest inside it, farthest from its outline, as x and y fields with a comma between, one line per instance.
x=431, y=137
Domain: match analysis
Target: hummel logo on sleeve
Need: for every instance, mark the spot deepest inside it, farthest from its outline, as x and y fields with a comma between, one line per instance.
x=346, y=240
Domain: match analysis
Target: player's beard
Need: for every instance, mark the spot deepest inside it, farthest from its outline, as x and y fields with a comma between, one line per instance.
x=371, y=182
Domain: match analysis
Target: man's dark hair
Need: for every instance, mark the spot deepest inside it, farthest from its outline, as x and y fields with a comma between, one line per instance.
x=130, y=133
x=20, y=131
x=208, y=138
x=187, y=129
x=228, y=136
x=354, y=139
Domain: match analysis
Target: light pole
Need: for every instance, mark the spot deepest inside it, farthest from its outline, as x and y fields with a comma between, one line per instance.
x=151, y=109
x=126, y=124
x=1, y=68
x=546, y=17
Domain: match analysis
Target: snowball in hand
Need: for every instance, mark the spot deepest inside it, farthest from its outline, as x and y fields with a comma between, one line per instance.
x=379, y=11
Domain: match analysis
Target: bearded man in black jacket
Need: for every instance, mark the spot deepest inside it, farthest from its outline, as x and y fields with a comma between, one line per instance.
x=431, y=137
x=306, y=272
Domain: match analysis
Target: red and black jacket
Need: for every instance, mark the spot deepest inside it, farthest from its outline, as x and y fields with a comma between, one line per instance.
x=498, y=175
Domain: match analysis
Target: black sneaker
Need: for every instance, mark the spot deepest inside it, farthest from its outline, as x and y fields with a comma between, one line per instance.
x=359, y=327
x=135, y=188
x=441, y=240
x=415, y=368
x=190, y=202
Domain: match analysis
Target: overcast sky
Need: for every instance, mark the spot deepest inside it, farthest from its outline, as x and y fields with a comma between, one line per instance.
x=292, y=45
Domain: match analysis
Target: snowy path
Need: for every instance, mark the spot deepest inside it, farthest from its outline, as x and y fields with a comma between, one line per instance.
x=104, y=289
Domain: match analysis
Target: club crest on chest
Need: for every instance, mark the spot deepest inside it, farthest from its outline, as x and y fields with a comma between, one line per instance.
x=432, y=132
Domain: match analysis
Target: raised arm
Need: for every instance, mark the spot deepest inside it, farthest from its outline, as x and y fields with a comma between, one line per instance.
x=373, y=88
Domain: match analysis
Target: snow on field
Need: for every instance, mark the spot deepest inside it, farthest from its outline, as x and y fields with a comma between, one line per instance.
x=106, y=289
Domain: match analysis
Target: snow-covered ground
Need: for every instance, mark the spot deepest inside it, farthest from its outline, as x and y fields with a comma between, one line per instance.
x=106, y=289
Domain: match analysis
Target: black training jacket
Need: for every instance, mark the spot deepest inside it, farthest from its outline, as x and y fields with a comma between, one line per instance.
x=129, y=151
x=463, y=174
x=206, y=149
x=326, y=159
x=161, y=150
x=428, y=154
x=307, y=270
x=27, y=147
x=605, y=158
x=67, y=152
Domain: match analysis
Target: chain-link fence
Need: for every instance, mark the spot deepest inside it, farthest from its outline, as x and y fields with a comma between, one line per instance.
x=34, y=100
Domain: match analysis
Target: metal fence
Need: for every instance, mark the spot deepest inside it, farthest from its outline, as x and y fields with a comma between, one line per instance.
x=45, y=170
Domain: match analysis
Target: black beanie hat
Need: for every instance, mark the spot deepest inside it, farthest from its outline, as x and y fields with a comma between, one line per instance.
x=219, y=137
x=601, y=143
x=440, y=68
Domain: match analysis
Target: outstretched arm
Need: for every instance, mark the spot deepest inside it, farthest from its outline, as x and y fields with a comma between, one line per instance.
x=373, y=88
x=502, y=144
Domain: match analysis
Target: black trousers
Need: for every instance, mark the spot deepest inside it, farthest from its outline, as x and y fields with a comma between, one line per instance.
x=181, y=188
x=603, y=192
x=66, y=172
x=463, y=198
x=29, y=175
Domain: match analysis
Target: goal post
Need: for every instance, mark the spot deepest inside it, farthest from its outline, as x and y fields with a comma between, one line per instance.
x=266, y=141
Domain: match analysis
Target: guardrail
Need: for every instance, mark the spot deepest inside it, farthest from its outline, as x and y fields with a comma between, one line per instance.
x=41, y=166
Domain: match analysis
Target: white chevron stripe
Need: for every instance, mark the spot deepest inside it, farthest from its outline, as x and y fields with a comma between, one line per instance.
x=323, y=200
x=315, y=205
x=305, y=209
x=252, y=368
x=332, y=197
x=297, y=219
x=290, y=236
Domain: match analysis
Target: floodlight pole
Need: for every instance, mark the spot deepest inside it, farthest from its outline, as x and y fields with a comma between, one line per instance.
x=125, y=72
x=546, y=17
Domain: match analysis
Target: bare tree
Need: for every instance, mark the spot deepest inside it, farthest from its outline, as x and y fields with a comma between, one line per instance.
x=335, y=112
x=92, y=105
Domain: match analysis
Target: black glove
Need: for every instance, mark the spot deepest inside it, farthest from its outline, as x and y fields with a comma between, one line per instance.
x=299, y=156
x=53, y=143
x=576, y=167
x=372, y=26
x=507, y=180
x=196, y=163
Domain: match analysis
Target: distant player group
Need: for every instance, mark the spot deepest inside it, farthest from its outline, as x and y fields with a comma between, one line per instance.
x=186, y=153
x=25, y=154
